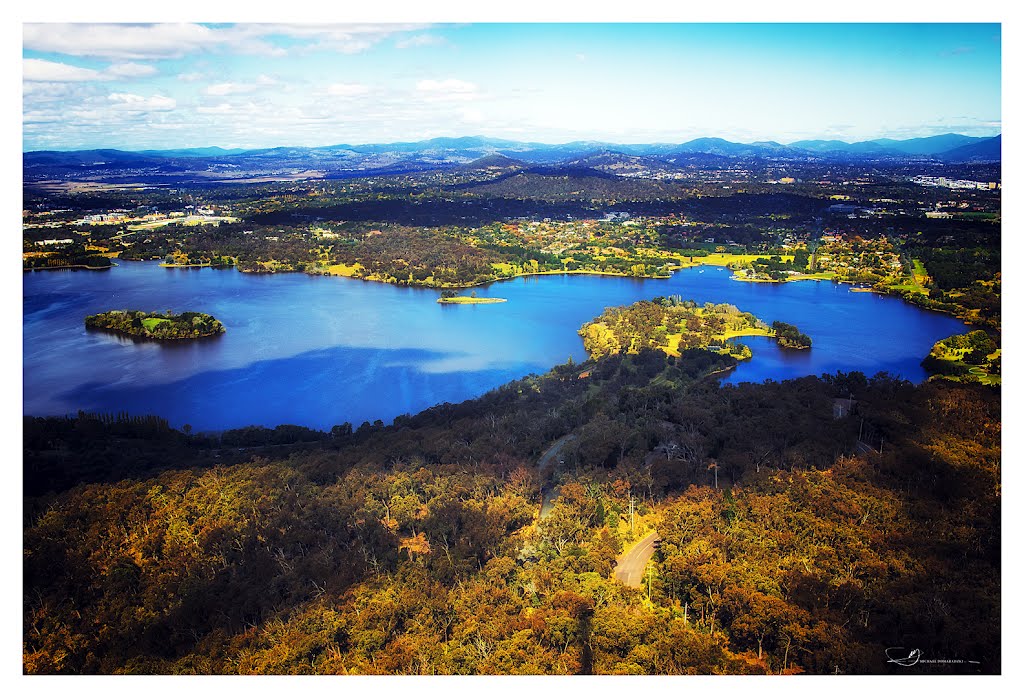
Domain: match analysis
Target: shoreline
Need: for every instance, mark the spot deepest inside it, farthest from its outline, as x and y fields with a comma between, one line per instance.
x=190, y=266
x=483, y=283
x=674, y=269
x=69, y=266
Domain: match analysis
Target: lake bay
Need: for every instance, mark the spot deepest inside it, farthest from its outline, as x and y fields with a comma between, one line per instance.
x=319, y=351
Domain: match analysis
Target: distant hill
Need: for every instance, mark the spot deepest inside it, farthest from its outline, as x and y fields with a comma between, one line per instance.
x=213, y=151
x=495, y=161
x=932, y=145
x=715, y=146
x=820, y=146
x=595, y=157
x=987, y=150
x=78, y=158
x=616, y=163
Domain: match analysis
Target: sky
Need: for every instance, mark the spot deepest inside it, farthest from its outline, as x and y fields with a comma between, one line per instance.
x=180, y=85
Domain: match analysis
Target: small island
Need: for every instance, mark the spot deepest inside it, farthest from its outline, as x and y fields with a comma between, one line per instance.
x=673, y=325
x=789, y=337
x=469, y=300
x=143, y=325
x=450, y=297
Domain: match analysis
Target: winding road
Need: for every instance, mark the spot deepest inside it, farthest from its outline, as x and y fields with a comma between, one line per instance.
x=548, y=495
x=631, y=564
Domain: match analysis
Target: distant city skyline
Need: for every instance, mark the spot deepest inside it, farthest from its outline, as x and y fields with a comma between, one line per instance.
x=165, y=86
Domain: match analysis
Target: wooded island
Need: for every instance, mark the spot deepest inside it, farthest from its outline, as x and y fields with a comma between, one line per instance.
x=138, y=323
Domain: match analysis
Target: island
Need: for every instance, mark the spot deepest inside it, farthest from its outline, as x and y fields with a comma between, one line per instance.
x=140, y=324
x=469, y=300
x=789, y=337
x=450, y=297
x=674, y=325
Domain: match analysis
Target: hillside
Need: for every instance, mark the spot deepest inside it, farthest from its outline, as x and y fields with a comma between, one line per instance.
x=989, y=150
x=417, y=549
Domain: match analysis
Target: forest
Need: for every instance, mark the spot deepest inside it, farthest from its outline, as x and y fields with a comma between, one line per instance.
x=416, y=547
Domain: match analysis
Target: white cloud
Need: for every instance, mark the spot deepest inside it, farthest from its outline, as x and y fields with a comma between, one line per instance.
x=342, y=38
x=223, y=89
x=450, y=89
x=190, y=77
x=450, y=85
x=130, y=70
x=222, y=108
x=120, y=40
x=347, y=89
x=40, y=117
x=131, y=102
x=142, y=41
x=417, y=40
x=38, y=70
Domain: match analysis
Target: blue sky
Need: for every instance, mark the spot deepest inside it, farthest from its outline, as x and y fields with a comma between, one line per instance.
x=261, y=85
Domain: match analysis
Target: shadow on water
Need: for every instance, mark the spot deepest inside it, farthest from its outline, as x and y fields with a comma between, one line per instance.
x=318, y=389
x=127, y=339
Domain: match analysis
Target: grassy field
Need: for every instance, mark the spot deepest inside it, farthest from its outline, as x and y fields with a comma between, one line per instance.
x=344, y=269
x=182, y=220
x=918, y=278
x=977, y=216
x=722, y=259
x=671, y=346
x=817, y=276
x=983, y=377
x=748, y=332
x=151, y=322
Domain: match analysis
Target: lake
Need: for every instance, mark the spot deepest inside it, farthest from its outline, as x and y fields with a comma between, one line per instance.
x=319, y=351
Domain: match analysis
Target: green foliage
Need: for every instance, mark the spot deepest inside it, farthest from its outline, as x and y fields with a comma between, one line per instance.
x=790, y=337
x=649, y=324
x=965, y=357
x=137, y=323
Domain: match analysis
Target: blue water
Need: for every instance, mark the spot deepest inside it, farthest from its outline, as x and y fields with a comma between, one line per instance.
x=320, y=351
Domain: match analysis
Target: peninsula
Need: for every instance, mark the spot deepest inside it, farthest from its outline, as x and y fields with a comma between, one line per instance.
x=673, y=325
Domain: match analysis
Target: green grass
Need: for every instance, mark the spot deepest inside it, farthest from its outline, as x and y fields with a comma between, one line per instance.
x=344, y=269
x=977, y=215
x=822, y=275
x=151, y=322
x=721, y=259
x=746, y=332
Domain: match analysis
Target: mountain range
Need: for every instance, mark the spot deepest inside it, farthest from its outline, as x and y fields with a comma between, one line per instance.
x=494, y=153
